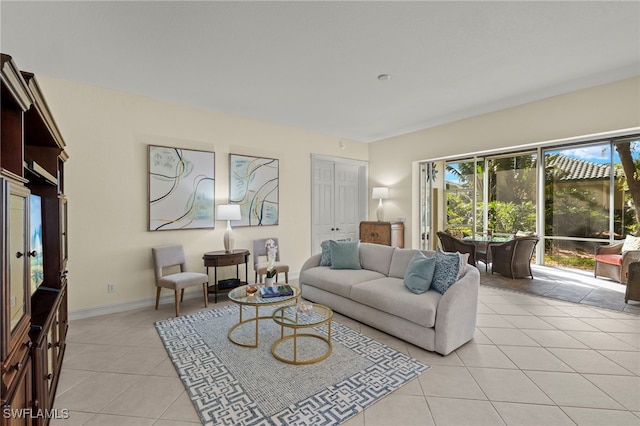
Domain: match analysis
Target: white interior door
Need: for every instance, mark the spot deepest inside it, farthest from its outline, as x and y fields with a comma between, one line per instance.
x=339, y=189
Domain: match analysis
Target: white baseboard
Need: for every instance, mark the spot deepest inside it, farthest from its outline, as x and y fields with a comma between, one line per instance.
x=113, y=308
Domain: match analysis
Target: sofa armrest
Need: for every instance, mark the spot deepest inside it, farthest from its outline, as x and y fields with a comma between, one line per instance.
x=457, y=313
x=615, y=248
x=312, y=262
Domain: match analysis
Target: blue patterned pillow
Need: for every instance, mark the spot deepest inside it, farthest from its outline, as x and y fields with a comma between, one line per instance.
x=419, y=273
x=345, y=254
x=449, y=266
x=325, y=260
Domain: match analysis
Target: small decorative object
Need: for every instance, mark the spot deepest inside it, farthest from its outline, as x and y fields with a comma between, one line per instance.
x=380, y=193
x=228, y=212
x=251, y=289
x=304, y=307
x=272, y=250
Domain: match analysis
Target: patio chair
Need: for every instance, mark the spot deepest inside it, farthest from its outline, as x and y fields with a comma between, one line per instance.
x=452, y=244
x=513, y=258
x=612, y=262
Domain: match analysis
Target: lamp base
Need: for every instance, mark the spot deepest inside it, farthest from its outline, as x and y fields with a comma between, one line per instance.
x=228, y=238
x=380, y=212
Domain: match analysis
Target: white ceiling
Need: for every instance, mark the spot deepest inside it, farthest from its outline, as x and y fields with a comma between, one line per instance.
x=314, y=65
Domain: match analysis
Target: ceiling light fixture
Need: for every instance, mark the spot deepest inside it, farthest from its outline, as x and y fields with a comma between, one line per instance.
x=384, y=77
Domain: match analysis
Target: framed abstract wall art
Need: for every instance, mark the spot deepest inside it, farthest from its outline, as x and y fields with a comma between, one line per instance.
x=181, y=188
x=254, y=185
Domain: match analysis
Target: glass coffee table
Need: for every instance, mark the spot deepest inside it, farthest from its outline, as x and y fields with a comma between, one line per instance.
x=291, y=317
x=239, y=296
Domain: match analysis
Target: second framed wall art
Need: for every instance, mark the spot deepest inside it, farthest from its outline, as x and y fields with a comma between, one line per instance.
x=254, y=185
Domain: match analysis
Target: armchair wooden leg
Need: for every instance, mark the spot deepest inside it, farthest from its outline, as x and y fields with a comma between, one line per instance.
x=286, y=277
x=177, y=304
x=157, y=297
x=206, y=295
x=181, y=295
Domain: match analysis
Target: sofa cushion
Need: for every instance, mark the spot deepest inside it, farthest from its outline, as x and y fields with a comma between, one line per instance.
x=400, y=262
x=376, y=257
x=391, y=296
x=337, y=281
x=325, y=259
x=611, y=259
x=631, y=243
x=449, y=268
x=345, y=254
x=420, y=273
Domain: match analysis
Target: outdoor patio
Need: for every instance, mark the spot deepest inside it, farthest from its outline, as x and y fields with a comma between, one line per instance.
x=566, y=284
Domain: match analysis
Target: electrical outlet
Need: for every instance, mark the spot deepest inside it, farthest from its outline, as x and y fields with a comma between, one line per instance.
x=13, y=301
x=111, y=288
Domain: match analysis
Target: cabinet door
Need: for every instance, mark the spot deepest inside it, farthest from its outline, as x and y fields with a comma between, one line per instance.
x=17, y=410
x=15, y=279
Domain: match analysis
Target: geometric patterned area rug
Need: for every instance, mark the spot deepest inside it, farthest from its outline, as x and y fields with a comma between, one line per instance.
x=234, y=385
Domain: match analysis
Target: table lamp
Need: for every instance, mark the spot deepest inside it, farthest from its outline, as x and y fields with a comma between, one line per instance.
x=229, y=212
x=380, y=193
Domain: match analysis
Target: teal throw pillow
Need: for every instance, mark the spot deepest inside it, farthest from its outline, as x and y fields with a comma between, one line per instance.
x=325, y=260
x=419, y=273
x=345, y=254
x=449, y=266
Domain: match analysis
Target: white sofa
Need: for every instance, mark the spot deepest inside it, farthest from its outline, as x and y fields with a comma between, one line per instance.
x=376, y=295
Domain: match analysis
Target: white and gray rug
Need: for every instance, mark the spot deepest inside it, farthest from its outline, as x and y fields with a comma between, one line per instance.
x=234, y=385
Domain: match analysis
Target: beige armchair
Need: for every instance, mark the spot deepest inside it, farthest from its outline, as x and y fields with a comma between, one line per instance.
x=612, y=262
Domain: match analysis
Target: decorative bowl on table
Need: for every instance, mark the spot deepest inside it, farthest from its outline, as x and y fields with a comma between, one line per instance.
x=304, y=307
x=252, y=289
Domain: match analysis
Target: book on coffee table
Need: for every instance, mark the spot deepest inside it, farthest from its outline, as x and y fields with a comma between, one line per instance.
x=276, y=291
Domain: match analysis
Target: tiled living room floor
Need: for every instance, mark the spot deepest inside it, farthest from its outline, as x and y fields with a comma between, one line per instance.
x=534, y=361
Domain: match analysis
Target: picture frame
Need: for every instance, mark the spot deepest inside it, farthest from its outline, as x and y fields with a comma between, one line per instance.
x=254, y=184
x=181, y=188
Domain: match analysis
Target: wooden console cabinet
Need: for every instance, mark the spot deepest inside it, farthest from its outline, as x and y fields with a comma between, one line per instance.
x=385, y=233
x=33, y=279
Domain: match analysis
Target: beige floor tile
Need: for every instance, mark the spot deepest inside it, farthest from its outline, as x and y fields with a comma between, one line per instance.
x=405, y=410
x=554, y=339
x=540, y=359
x=92, y=396
x=632, y=339
x=624, y=389
x=95, y=358
x=357, y=420
x=596, y=417
x=484, y=309
x=69, y=378
x=137, y=361
x=479, y=338
x=627, y=359
x=496, y=298
x=76, y=418
x=162, y=422
x=610, y=325
x=492, y=320
x=528, y=322
x=588, y=361
x=531, y=414
x=164, y=369
x=546, y=310
x=411, y=388
x=510, y=309
x=582, y=312
x=434, y=358
x=457, y=412
x=568, y=323
x=132, y=337
x=149, y=397
x=111, y=420
x=508, y=386
x=484, y=356
x=599, y=340
x=182, y=410
x=571, y=389
x=452, y=382
x=508, y=336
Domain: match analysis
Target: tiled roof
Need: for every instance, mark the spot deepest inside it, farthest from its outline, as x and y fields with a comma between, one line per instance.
x=574, y=169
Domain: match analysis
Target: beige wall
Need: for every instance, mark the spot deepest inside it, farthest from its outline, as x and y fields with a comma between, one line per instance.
x=604, y=108
x=107, y=134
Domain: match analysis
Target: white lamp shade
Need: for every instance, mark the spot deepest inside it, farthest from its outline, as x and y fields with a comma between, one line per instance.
x=229, y=212
x=380, y=192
